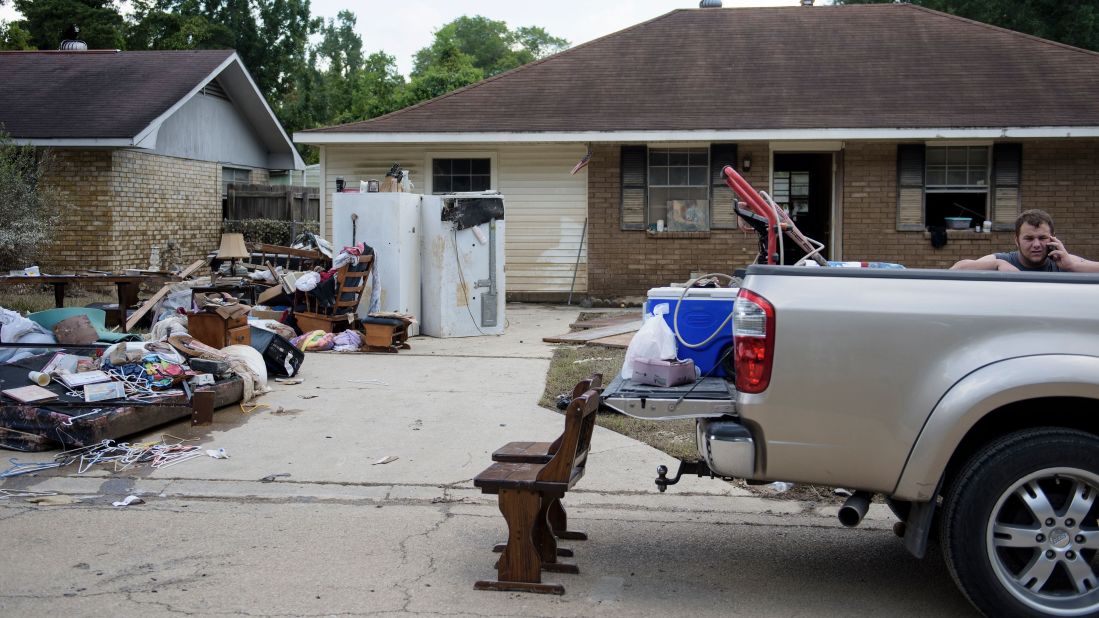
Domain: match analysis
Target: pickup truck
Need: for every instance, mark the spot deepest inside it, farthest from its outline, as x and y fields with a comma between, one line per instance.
x=968, y=401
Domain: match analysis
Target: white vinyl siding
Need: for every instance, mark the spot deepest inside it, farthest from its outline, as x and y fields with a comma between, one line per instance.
x=545, y=207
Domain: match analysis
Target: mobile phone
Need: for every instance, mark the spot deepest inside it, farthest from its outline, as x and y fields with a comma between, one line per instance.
x=1050, y=249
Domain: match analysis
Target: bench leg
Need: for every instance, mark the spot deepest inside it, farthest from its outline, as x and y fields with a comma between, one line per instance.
x=545, y=541
x=520, y=566
x=559, y=522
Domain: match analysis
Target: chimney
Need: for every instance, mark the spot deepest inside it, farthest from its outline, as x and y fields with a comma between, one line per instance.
x=709, y=4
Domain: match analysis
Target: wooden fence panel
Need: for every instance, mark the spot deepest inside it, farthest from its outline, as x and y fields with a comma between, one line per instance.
x=279, y=202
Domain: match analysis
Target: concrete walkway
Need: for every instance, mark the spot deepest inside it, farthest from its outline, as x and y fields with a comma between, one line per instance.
x=341, y=535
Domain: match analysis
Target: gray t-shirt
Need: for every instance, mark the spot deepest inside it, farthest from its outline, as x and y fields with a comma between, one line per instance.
x=1049, y=266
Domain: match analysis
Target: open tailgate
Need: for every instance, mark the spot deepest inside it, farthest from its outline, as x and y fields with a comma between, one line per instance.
x=708, y=397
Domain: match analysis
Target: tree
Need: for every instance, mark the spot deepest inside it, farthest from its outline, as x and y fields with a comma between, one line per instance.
x=1072, y=23
x=450, y=69
x=101, y=26
x=13, y=37
x=31, y=208
x=271, y=36
x=490, y=45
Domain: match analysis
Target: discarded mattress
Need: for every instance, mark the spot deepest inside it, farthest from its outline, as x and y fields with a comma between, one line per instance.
x=70, y=422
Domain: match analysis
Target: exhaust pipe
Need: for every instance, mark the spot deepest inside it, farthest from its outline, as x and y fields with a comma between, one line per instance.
x=854, y=508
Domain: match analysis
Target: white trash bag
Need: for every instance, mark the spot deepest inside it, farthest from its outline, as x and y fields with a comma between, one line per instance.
x=655, y=340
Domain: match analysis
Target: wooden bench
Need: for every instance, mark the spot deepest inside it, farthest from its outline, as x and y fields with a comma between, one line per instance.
x=525, y=492
x=542, y=452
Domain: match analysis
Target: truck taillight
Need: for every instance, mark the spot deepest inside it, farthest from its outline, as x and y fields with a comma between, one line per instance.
x=753, y=341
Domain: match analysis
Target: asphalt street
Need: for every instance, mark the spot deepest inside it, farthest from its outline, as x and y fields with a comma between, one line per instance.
x=339, y=534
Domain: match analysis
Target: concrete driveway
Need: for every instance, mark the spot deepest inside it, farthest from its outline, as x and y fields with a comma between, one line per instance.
x=341, y=535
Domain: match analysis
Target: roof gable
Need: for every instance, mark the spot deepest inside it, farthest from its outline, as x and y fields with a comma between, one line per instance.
x=113, y=98
x=852, y=66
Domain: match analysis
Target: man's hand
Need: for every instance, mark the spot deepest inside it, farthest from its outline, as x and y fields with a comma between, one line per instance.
x=1059, y=252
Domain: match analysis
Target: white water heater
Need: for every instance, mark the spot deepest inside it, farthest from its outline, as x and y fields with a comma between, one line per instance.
x=390, y=224
x=462, y=265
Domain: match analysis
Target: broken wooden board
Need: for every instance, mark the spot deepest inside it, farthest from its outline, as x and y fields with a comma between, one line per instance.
x=161, y=293
x=614, y=341
x=611, y=320
x=585, y=336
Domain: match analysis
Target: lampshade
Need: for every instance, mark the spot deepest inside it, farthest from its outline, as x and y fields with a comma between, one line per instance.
x=232, y=246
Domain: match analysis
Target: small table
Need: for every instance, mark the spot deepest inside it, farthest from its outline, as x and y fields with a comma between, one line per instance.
x=127, y=287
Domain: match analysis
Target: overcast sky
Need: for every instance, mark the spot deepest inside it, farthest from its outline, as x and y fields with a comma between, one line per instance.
x=400, y=29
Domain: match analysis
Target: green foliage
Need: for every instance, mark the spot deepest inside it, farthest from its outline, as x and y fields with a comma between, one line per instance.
x=489, y=45
x=31, y=208
x=449, y=70
x=13, y=37
x=1072, y=23
x=101, y=25
x=269, y=231
x=271, y=36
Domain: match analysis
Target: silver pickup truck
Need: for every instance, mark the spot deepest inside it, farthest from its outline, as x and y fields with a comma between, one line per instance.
x=968, y=401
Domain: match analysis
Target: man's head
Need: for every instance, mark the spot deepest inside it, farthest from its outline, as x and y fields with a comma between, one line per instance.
x=1035, y=217
x=1033, y=231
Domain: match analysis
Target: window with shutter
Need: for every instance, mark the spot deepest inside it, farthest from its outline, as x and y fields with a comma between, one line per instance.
x=634, y=164
x=910, y=169
x=1006, y=176
x=721, y=196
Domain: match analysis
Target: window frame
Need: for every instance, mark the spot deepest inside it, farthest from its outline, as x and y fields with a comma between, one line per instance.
x=1002, y=187
x=429, y=166
x=634, y=185
x=225, y=183
x=703, y=184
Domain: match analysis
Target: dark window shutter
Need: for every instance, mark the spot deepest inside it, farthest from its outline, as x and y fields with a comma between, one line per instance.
x=635, y=185
x=721, y=196
x=910, y=170
x=1007, y=163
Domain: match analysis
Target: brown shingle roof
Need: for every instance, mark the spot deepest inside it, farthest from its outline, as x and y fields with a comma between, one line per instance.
x=855, y=66
x=96, y=94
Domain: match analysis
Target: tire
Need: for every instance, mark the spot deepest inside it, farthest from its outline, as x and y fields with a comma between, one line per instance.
x=1019, y=530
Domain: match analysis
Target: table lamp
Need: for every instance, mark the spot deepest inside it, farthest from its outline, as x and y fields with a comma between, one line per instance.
x=232, y=247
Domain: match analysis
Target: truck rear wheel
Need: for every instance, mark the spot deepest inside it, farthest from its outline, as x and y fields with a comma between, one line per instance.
x=1019, y=526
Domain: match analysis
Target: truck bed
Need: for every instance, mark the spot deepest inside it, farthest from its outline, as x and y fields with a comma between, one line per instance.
x=707, y=397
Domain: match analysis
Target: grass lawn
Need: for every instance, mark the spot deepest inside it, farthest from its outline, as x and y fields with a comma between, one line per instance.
x=571, y=364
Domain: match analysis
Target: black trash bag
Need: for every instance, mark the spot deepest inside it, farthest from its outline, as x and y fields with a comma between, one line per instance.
x=938, y=236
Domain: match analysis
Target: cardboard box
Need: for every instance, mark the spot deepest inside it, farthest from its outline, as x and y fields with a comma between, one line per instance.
x=662, y=372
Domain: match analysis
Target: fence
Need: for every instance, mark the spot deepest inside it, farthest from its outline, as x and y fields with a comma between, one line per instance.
x=278, y=202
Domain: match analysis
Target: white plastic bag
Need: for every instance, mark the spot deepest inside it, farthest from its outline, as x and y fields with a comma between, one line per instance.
x=655, y=340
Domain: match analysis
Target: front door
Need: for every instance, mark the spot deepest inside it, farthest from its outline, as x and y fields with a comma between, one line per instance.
x=802, y=185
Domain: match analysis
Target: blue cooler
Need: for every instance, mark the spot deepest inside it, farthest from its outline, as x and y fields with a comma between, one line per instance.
x=703, y=310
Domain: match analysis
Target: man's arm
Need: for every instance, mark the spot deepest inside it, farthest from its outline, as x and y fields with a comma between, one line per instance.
x=1069, y=262
x=1076, y=264
x=988, y=262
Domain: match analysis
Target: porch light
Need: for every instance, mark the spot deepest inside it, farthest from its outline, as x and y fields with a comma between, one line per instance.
x=746, y=165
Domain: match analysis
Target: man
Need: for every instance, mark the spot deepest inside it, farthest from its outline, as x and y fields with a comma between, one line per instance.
x=1037, y=250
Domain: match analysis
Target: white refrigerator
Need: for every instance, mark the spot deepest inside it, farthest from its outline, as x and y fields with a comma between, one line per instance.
x=463, y=282
x=390, y=224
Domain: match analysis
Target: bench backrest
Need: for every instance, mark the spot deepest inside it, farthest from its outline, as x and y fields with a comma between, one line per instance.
x=570, y=459
x=595, y=381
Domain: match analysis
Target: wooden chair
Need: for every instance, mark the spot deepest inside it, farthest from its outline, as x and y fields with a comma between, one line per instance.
x=350, y=283
x=525, y=491
x=542, y=452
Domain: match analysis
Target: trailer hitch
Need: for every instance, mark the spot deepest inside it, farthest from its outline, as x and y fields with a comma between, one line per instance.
x=689, y=467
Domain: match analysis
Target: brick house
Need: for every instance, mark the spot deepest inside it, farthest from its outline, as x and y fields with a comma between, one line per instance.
x=144, y=143
x=870, y=123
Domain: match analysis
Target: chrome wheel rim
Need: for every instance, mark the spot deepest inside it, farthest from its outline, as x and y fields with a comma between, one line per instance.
x=1042, y=538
